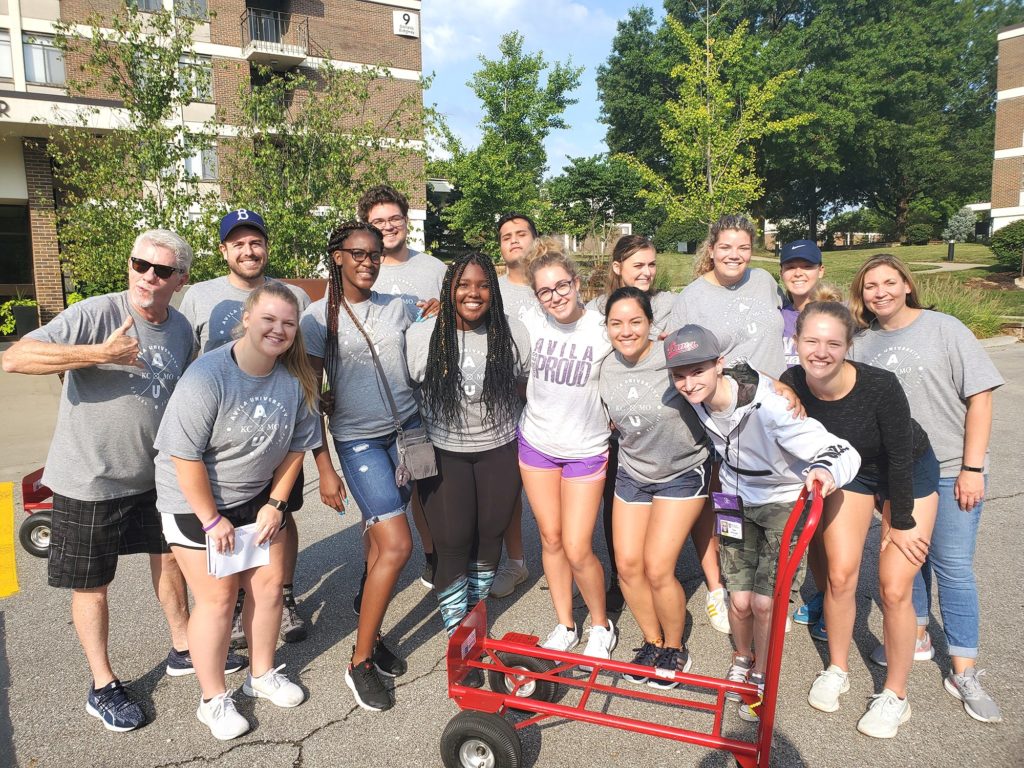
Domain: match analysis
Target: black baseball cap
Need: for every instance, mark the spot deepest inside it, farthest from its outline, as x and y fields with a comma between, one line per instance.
x=807, y=250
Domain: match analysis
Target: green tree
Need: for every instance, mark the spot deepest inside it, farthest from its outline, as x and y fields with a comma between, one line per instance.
x=712, y=126
x=504, y=172
x=137, y=170
x=960, y=226
x=308, y=143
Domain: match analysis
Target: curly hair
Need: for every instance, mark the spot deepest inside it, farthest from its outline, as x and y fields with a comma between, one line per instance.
x=379, y=195
x=705, y=263
x=547, y=252
x=442, y=390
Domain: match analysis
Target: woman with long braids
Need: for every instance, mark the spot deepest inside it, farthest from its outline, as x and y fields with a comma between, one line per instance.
x=338, y=330
x=469, y=361
x=563, y=444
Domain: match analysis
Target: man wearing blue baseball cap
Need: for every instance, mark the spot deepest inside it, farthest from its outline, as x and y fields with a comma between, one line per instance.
x=214, y=308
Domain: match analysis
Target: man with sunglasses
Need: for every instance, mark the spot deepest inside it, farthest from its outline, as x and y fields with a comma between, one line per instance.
x=122, y=354
x=214, y=308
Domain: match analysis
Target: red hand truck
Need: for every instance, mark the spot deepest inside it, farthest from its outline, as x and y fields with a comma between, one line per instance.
x=34, y=532
x=525, y=678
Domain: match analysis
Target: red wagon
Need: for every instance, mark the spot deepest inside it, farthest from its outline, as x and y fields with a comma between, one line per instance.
x=34, y=532
x=525, y=678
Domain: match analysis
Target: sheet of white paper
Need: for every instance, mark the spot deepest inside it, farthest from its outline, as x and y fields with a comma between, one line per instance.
x=246, y=555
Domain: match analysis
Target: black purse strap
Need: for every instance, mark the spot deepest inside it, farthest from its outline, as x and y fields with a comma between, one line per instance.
x=376, y=363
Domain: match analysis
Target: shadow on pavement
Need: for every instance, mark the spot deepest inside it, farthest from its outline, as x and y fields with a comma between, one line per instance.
x=6, y=727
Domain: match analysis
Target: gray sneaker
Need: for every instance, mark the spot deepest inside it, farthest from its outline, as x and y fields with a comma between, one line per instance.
x=293, y=627
x=509, y=576
x=967, y=688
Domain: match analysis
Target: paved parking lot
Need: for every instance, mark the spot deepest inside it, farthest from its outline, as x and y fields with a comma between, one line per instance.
x=43, y=676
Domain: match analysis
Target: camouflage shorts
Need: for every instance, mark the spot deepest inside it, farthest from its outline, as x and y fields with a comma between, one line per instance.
x=750, y=565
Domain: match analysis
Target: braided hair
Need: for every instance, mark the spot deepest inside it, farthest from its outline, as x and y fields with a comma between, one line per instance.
x=442, y=385
x=334, y=297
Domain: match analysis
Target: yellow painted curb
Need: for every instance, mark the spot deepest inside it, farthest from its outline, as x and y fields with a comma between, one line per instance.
x=8, y=570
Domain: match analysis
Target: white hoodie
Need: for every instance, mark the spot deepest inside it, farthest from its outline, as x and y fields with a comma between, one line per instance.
x=773, y=450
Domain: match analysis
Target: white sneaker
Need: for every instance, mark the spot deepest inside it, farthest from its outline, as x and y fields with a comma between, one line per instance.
x=220, y=715
x=718, y=610
x=789, y=624
x=886, y=713
x=562, y=638
x=601, y=643
x=826, y=688
x=509, y=576
x=923, y=651
x=274, y=686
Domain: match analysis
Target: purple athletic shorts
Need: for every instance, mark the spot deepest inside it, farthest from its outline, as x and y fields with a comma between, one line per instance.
x=584, y=470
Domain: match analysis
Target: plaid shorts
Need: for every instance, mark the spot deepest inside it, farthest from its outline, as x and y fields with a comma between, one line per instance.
x=88, y=536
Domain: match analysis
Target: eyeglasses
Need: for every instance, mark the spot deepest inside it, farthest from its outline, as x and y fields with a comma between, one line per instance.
x=360, y=255
x=394, y=221
x=163, y=271
x=562, y=288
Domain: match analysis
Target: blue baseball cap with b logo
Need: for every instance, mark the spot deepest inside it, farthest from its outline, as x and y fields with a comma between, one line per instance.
x=241, y=218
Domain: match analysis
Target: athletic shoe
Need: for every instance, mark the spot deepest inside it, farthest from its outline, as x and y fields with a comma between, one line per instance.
x=613, y=599
x=180, y=663
x=474, y=678
x=827, y=686
x=819, y=631
x=238, y=641
x=601, y=642
x=789, y=624
x=886, y=713
x=427, y=575
x=645, y=656
x=748, y=712
x=670, y=661
x=811, y=611
x=509, y=576
x=220, y=715
x=923, y=651
x=967, y=688
x=562, y=638
x=367, y=687
x=293, y=627
x=718, y=610
x=112, y=704
x=387, y=661
x=357, y=602
x=738, y=672
x=274, y=686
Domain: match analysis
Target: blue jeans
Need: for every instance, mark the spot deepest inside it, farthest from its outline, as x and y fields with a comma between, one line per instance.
x=369, y=467
x=951, y=560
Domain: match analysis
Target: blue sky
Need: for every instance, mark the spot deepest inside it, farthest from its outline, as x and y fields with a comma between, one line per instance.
x=456, y=32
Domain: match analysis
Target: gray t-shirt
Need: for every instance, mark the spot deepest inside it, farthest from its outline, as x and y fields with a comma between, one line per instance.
x=475, y=432
x=744, y=316
x=661, y=307
x=940, y=364
x=419, y=278
x=517, y=300
x=240, y=426
x=660, y=436
x=102, y=447
x=214, y=308
x=361, y=407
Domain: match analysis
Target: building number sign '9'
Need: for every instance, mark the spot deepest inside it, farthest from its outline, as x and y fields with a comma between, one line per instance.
x=406, y=24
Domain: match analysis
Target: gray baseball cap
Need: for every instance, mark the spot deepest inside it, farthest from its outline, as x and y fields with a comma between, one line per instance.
x=691, y=344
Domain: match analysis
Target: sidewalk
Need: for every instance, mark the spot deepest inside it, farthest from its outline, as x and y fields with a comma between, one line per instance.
x=28, y=413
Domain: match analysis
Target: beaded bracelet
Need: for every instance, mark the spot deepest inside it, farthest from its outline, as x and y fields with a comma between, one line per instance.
x=211, y=526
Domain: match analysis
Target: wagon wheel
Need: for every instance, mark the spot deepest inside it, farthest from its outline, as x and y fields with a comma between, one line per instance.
x=34, y=534
x=480, y=740
x=542, y=690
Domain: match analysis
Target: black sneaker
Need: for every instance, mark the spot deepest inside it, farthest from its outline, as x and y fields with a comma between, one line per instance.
x=357, y=603
x=114, y=707
x=474, y=678
x=613, y=599
x=645, y=656
x=180, y=664
x=427, y=577
x=387, y=661
x=367, y=687
x=293, y=627
x=669, y=661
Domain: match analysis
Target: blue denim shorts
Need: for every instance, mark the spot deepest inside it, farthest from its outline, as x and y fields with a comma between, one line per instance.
x=369, y=467
x=689, y=485
x=925, y=479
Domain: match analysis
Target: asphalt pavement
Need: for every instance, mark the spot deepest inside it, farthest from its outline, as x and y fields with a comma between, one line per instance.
x=43, y=675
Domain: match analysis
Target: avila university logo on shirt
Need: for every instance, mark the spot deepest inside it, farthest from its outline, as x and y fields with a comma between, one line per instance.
x=260, y=420
x=561, y=362
x=904, y=362
x=153, y=384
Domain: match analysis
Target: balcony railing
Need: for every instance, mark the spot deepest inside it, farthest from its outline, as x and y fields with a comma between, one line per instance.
x=274, y=38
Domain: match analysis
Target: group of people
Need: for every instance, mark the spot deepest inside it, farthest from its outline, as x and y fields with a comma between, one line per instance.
x=703, y=414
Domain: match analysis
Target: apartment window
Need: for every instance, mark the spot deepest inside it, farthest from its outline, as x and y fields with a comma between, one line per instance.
x=203, y=164
x=149, y=6
x=192, y=9
x=196, y=77
x=6, y=70
x=44, y=63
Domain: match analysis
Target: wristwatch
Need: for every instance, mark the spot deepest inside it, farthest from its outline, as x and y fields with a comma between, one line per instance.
x=965, y=468
x=280, y=505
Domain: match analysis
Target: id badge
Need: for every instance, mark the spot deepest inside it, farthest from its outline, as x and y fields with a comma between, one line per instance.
x=728, y=515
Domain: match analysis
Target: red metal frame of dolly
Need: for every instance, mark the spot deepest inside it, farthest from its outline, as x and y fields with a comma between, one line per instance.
x=470, y=647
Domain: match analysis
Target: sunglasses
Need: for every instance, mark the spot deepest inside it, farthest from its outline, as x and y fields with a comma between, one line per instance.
x=162, y=271
x=360, y=255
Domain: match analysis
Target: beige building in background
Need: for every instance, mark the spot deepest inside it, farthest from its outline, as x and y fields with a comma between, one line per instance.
x=1008, y=158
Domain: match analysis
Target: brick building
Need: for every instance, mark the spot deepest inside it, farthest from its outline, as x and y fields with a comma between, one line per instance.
x=232, y=36
x=1008, y=159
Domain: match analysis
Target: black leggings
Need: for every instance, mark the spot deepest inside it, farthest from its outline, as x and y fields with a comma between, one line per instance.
x=468, y=505
x=608, y=499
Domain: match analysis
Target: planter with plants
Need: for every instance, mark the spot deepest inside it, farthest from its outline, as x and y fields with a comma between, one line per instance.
x=18, y=317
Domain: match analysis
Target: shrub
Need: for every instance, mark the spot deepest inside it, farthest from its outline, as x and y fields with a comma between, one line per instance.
x=671, y=233
x=976, y=308
x=919, y=234
x=1008, y=246
x=960, y=226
